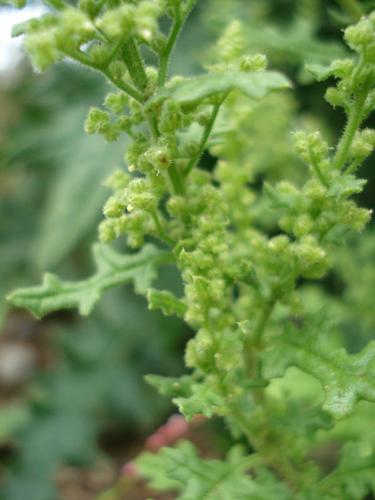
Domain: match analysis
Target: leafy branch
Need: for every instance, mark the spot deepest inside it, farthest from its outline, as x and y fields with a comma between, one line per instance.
x=113, y=269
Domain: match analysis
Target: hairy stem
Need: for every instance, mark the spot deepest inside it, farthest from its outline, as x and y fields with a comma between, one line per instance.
x=354, y=121
x=134, y=63
x=315, y=165
x=176, y=179
x=171, y=42
x=206, y=134
x=160, y=228
x=128, y=89
x=262, y=321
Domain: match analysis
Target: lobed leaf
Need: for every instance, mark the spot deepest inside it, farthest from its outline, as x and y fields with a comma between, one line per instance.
x=255, y=85
x=113, y=269
x=181, y=469
x=354, y=477
x=189, y=395
x=166, y=301
x=345, y=378
x=319, y=71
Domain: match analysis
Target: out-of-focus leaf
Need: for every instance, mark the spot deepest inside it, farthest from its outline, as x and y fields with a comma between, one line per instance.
x=254, y=85
x=12, y=417
x=297, y=44
x=319, y=71
x=75, y=198
x=354, y=477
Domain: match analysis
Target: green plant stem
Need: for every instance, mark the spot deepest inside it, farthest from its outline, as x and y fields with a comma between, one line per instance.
x=165, y=55
x=173, y=174
x=206, y=134
x=261, y=324
x=276, y=460
x=315, y=165
x=172, y=38
x=82, y=58
x=253, y=339
x=161, y=231
x=353, y=8
x=354, y=121
x=129, y=89
x=176, y=179
x=134, y=63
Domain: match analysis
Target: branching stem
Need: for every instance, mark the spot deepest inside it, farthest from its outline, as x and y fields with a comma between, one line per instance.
x=315, y=165
x=205, y=136
x=171, y=42
x=134, y=63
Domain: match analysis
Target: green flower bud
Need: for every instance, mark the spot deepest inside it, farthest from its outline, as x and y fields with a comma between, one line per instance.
x=354, y=217
x=334, y=97
x=200, y=351
x=118, y=70
x=159, y=157
x=310, y=145
x=177, y=206
x=42, y=48
x=279, y=244
x=75, y=27
x=360, y=35
x=158, y=42
x=312, y=259
x=314, y=190
x=232, y=43
x=253, y=63
x=116, y=102
x=124, y=123
x=107, y=230
x=146, y=17
x=361, y=148
x=171, y=117
x=118, y=22
x=118, y=180
x=96, y=120
x=99, y=54
x=113, y=207
x=303, y=225
x=139, y=196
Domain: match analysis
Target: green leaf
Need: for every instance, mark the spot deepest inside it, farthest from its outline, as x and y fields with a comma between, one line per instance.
x=166, y=301
x=203, y=399
x=12, y=417
x=254, y=85
x=354, y=477
x=113, y=269
x=181, y=469
x=296, y=44
x=171, y=386
x=19, y=29
x=75, y=196
x=345, y=378
x=346, y=185
x=189, y=395
x=319, y=71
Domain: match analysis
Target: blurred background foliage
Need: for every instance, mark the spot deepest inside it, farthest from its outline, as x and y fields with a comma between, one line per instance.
x=71, y=389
